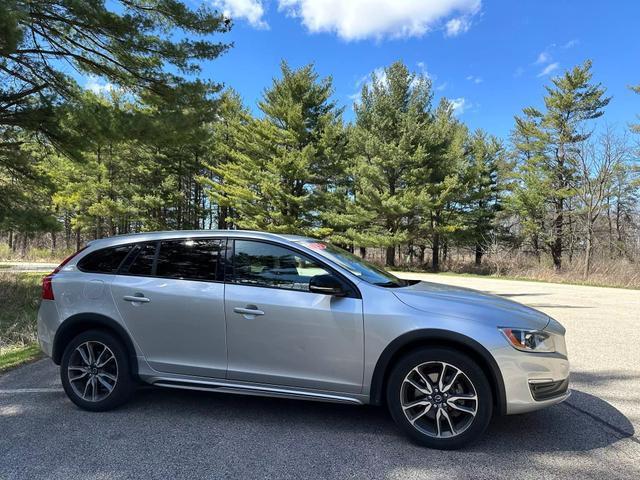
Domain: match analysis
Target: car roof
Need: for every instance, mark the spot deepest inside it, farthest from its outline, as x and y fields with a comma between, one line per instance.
x=169, y=234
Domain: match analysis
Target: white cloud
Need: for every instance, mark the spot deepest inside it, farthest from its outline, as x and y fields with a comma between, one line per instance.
x=571, y=43
x=548, y=69
x=460, y=105
x=456, y=26
x=474, y=79
x=441, y=87
x=543, y=57
x=98, y=86
x=249, y=10
x=360, y=19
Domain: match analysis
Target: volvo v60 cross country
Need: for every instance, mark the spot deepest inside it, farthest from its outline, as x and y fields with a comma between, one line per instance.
x=287, y=316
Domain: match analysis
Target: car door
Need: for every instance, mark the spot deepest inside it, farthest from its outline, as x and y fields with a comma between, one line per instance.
x=280, y=333
x=171, y=297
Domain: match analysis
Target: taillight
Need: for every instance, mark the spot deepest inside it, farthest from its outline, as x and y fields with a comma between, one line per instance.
x=47, y=288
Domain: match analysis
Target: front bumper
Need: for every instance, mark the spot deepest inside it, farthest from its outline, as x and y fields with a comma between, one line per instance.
x=532, y=380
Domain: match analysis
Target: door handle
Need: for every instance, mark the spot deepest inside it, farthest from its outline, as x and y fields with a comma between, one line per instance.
x=135, y=298
x=248, y=310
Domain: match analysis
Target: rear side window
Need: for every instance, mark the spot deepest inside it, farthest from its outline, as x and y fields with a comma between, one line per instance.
x=105, y=260
x=189, y=259
x=142, y=259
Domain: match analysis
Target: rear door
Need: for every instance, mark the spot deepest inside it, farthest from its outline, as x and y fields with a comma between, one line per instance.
x=171, y=296
x=280, y=333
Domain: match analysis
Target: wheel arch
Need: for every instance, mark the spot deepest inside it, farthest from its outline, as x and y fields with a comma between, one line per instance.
x=425, y=338
x=81, y=322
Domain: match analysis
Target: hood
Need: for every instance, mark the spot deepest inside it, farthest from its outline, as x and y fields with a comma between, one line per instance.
x=470, y=304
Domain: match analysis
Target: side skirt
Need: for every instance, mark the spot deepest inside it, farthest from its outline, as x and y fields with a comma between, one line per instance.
x=262, y=391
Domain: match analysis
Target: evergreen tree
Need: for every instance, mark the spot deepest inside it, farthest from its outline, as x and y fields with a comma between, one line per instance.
x=129, y=44
x=552, y=137
x=482, y=191
x=284, y=165
x=388, y=141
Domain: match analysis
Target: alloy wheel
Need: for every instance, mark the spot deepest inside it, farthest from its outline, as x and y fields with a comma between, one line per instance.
x=438, y=399
x=92, y=371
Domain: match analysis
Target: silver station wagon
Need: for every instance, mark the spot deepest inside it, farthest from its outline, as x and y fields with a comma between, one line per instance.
x=286, y=316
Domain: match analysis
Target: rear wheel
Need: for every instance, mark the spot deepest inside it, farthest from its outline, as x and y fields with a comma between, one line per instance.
x=95, y=371
x=440, y=398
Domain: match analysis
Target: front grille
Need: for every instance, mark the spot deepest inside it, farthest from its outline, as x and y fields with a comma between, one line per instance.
x=548, y=390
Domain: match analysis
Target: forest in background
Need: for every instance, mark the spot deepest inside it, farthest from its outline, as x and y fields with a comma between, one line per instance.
x=405, y=184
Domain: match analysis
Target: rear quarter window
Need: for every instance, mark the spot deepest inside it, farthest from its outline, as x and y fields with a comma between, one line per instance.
x=105, y=260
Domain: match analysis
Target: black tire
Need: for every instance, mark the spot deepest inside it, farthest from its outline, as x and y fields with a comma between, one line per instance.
x=470, y=426
x=124, y=384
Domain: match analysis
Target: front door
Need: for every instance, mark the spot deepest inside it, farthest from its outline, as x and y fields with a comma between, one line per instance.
x=172, y=302
x=279, y=333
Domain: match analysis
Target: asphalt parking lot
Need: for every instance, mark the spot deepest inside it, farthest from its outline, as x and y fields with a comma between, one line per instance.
x=181, y=434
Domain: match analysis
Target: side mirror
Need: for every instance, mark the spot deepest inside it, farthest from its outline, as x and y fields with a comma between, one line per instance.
x=326, y=284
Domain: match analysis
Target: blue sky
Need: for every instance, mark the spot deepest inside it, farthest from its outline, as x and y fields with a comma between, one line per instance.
x=491, y=57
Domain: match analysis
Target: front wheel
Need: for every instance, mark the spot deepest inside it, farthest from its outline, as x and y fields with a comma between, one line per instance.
x=95, y=371
x=440, y=398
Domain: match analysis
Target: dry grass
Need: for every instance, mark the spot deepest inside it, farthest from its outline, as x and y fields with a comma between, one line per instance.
x=604, y=272
x=33, y=255
x=19, y=297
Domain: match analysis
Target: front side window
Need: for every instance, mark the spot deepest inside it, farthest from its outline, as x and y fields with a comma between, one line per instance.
x=105, y=260
x=189, y=259
x=362, y=269
x=267, y=265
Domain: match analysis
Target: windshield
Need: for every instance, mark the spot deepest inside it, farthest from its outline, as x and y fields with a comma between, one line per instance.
x=361, y=268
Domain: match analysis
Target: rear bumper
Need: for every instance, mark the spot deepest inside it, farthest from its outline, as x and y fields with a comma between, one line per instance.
x=48, y=322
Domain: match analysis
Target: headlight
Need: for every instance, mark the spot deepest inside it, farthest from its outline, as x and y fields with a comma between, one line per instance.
x=529, y=340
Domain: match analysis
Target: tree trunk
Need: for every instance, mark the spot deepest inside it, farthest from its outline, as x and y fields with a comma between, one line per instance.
x=391, y=256
x=445, y=251
x=363, y=252
x=588, y=246
x=479, y=253
x=435, y=256
x=556, y=245
x=223, y=213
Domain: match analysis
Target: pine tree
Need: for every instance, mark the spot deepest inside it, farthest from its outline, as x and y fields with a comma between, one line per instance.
x=388, y=140
x=284, y=165
x=551, y=139
x=482, y=191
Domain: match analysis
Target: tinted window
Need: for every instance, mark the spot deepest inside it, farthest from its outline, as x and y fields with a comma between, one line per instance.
x=267, y=265
x=143, y=259
x=106, y=260
x=194, y=259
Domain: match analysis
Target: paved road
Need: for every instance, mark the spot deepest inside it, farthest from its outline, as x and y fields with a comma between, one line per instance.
x=15, y=267
x=174, y=434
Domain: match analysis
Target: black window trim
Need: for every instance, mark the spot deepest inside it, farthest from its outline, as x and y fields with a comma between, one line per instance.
x=219, y=274
x=353, y=291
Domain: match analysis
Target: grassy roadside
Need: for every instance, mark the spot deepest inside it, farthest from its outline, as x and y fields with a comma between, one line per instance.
x=19, y=300
x=14, y=356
